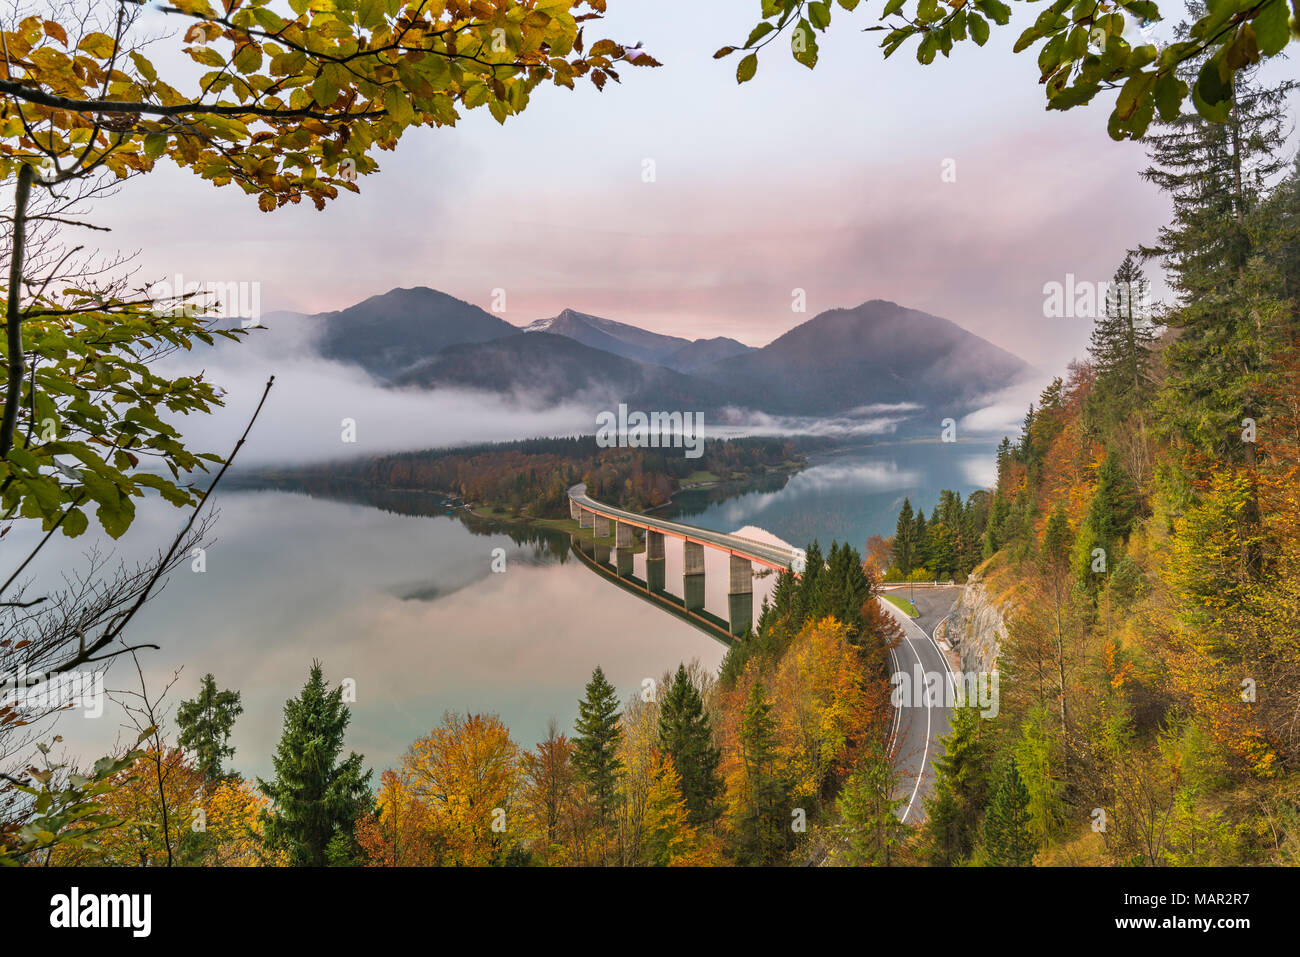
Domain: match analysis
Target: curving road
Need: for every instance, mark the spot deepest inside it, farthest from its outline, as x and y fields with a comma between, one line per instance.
x=920, y=724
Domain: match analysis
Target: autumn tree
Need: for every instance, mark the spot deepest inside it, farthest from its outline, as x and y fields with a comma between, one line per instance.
x=671, y=840
x=466, y=775
x=549, y=791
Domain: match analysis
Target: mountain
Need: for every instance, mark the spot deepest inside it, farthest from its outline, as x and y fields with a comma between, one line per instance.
x=838, y=363
x=702, y=352
x=630, y=342
x=547, y=369
x=876, y=353
x=388, y=333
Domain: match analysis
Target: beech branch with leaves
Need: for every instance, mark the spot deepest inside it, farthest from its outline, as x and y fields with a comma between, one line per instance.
x=294, y=105
x=1084, y=47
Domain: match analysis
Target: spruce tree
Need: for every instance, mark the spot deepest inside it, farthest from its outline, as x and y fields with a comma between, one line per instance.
x=920, y=541
x=1216, y=175
x=317, y=797
x=205, y=725
x=904, y=539
x=686, y=736
x=1008, y=835
x=595, y=744
x=1120, y=350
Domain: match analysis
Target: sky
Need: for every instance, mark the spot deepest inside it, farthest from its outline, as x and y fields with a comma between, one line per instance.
x=828, y=181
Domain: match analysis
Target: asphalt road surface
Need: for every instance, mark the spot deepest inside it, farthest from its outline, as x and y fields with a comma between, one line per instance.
x=921, y=721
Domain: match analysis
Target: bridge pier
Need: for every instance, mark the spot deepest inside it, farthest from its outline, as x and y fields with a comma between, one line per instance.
x=601, y=526
x=693, y=575
x=624, y=535
x=584, y=517
x=740, y=595
x=655, y=561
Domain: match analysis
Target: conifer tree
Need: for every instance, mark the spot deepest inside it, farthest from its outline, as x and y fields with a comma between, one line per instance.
x=960, y=790
x=686, y=737
x=317, y=797
x=869, y=821
x=920, y=541
x=205, y=725
x=598, y=732
x=904, y=539
x=1215, y=174
x=761, y=830
x=1008, y=837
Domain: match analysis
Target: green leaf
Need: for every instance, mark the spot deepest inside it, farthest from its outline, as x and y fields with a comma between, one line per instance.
x=324, y=91
x=75, y=523
x=892, y=7
x=1211, y=95
x=1169, y=95
x=144, y=66
x=803, y=44
x=996, y=10
x=746, y=68
x=928, y=47
x=1272, y=31
x=979, y=28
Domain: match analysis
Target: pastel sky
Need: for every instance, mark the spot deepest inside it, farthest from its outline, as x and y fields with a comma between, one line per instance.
x=828, y=181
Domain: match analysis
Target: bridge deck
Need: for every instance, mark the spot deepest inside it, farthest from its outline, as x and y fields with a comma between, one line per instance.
x=773, y=556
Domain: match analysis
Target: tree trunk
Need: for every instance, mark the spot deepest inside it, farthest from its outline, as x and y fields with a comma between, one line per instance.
x=13, y=322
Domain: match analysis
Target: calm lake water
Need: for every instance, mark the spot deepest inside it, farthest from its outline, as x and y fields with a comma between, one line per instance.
x=409, y=607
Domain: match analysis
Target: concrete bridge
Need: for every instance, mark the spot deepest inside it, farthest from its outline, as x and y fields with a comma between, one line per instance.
x=622, y=526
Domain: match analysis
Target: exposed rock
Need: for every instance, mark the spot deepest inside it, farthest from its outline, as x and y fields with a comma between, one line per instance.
x=976, y=627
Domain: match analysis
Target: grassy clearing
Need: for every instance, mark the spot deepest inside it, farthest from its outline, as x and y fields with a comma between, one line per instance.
x=904, y=604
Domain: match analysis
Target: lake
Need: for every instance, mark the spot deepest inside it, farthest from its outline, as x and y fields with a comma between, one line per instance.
x=399, y=594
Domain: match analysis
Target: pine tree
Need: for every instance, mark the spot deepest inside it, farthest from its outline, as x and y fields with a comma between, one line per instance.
x=595, y=744
x=317, y=797
x=1008, y=836
x=686, y=737
x=205, y=725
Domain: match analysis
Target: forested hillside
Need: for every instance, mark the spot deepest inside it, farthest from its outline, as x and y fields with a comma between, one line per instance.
x=530, y=478
x=1145, y=529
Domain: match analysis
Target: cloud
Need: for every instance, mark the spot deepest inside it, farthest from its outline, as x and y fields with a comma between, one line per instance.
x=303, y=416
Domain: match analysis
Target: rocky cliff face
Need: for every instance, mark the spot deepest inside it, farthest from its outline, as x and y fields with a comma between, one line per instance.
x=976, y=627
